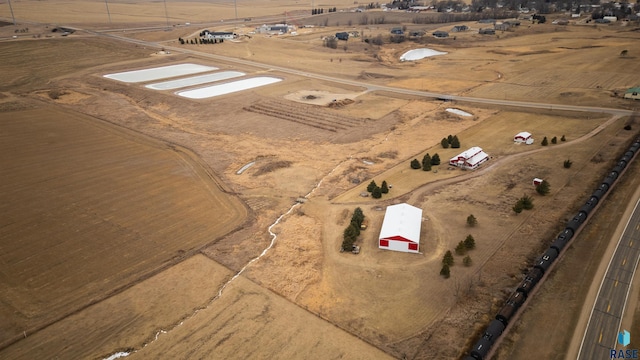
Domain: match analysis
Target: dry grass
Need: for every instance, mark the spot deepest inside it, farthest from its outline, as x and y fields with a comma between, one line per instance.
x=253, y=319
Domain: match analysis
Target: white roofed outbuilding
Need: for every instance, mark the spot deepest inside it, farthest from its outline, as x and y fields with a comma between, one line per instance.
x=401, y=228
x=523, y=137
x=469, y=159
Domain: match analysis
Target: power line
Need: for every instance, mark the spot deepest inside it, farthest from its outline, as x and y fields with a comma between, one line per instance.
x=12, y=16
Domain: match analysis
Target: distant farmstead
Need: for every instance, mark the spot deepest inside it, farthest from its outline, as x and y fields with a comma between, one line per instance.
x=524, y=137
x=274, y=29
x=401, y=228
x=633, y=93
x=469, y=159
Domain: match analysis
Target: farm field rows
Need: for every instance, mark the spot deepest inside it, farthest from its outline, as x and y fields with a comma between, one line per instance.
x=91, y=210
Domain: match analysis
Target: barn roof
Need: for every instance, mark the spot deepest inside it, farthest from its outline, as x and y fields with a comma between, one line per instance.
x=477, y=158
x=469, y=153
x=402, y=220
x=523, y=134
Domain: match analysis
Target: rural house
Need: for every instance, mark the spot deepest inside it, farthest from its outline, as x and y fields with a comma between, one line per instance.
x=342, y=36
x=487, y=31
x=459, y=28
x=218, y=35
x=469, y=159
x=401, y=228
x=440, y=34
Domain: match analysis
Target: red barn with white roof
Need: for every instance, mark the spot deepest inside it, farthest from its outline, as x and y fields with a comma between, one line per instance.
x=470, y=159
x=401, y=228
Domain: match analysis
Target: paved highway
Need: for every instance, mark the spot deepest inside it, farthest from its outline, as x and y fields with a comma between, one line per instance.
x=604, y=323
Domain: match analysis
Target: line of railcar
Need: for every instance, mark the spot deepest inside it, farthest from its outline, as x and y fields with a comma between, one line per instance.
x=519, y=296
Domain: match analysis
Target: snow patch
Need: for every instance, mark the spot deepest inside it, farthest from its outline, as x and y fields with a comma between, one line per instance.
x=458, y=112
x=418, y=54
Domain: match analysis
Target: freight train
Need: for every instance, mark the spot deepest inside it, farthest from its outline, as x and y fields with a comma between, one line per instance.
x=519, y=296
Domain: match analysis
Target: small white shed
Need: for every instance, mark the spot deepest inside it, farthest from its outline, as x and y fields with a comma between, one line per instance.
x=523, y=137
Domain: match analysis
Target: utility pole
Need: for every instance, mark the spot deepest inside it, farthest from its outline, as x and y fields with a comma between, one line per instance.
x=166, y=13
x=12, y=16
x=108, y=13
x=235, y=6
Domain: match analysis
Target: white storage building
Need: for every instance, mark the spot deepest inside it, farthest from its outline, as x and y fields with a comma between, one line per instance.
x=401, y=228
x=469, y=159
x=523, y=137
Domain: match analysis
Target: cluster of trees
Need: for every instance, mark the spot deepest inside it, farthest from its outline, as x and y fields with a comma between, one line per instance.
x=554, y=140
x=427, y=162
x=200, y=41
x=461, y=249
x=450, y=141
x=464, y=246
x=524, y=203
x=321, y=11
x=469, y=243
x=377, y=191
x=352, y=231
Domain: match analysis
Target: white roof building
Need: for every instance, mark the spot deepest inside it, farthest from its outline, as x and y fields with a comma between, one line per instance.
x=401, y=228
x=469, y=159
x=523, y=137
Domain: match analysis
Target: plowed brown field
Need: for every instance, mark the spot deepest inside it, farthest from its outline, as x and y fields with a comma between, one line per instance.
x=88, y=210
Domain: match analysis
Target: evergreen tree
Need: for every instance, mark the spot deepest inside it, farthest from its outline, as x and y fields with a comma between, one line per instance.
x=376, y=193
x=470, y=242
x=448, y=258
x=554, y=140
x=455, y=143
x=384, y=188
x=450, y=139
x=518, y=207
x=567, y=163
x=543, y=188
x=358, y=217
x=351, y=232
x=426, y=166
x=445, y=271
x=372, y=185
x=471, y=220
x=426, y=159
x=347, y=244
x=563, y=138
x=444, y=143
x=527, y=202
x=460, y=249
x=467, y=261
x=415, y=164
x=435, y=160
x=545, y=142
